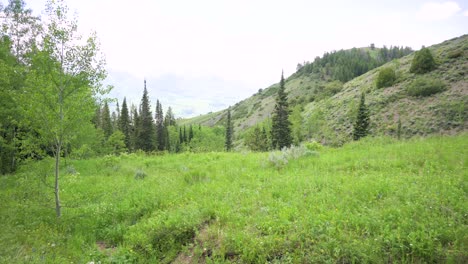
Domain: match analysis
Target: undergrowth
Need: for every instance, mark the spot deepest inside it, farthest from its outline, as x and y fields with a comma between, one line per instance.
x=378, y=200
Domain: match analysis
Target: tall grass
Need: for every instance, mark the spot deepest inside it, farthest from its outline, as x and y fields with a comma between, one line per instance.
x=377, y=200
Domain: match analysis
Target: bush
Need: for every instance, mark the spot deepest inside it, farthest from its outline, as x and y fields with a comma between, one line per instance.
x=280, y=159
x=140, y=174
x=423, y=62
x=425, y=87
x=385, y=78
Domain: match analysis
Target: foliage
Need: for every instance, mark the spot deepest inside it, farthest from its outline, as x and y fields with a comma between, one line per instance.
x=345, y=65
x=425, y=86
x=423, y=62
x=365, y=202
x=385, y=78
x=124, y=124
x=257, y=139
x=62, y=80
x=115, y=144
x=296, y=125
x=146, y=137
x=229, y=131
x=281, y=126
x=361, y=127
x=106, y=123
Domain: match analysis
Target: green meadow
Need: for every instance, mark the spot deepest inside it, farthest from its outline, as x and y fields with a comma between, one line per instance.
x=378, y=200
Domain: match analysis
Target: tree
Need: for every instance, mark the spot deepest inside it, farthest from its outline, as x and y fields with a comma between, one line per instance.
x=64, y=76
x=361, y=127
x=423, y=62
x=229, y=131
x=281, y=126
x=115, y=144
x=135, y=127
x=145, y=138
x=181, y=137
x=124, y=123
x=296, y=124
x=22, y=28
x=190, y=135
x=169, y=120
x=160, y=131
x=385, y=78
x=106, y=122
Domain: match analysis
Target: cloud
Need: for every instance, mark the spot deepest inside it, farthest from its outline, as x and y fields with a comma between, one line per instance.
x=433, y=11
x=465, y=13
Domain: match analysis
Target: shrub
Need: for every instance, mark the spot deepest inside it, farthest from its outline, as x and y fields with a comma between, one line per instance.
x=385, y=78
x=280, y=159
x=425, y=87
x=139, y=175
x=313, y=145
x=455, y=54
x=423, y=62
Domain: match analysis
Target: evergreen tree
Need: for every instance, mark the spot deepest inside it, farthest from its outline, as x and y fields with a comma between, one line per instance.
x=114, y=121
x=281, y=126
x=423, y=62
x=185, y=135
x=160, y=131
x=106, y=123
x=124, y=123
x=190, y=136
x=229, y=131
x=135, y=126
x=169, y=120
x=181, y=137
x=264, y=140
x=145, y=140
x=362, y=121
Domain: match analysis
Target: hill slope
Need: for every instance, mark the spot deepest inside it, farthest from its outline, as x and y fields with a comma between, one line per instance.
x=328, y=106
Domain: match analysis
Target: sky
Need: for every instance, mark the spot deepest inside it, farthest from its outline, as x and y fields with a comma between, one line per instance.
x=205, y=55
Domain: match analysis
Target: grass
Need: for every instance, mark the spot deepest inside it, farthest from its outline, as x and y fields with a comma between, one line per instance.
x=373, y=201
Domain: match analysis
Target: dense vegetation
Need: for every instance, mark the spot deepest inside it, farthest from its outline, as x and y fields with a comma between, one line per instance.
x=345, y=65
x=376, y=200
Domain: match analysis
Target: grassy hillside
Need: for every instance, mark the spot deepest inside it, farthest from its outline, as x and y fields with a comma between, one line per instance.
x=329, y=105
x=376, y=201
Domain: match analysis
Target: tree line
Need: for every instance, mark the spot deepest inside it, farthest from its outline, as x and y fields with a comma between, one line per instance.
x=344, y=65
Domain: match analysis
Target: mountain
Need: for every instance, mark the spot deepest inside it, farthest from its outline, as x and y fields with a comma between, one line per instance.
x=327, y=92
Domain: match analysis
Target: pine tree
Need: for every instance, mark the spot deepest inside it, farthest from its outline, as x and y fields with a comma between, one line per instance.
x=281, y=126
x=264, y=140
x=124, y=123
x=106, y=123
x=145, y=140
x=362, y=121
x=190, y=135
x=181, y=137
x=228, y=143
x=185, y=135
x=134, y=128
x=423, y=62
x=160, y=131
x=169, y=120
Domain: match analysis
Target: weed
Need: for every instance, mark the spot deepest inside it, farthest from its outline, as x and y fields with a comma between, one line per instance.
x=140, y=174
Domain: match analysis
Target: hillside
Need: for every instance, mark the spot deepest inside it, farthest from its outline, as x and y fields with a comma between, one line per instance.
x=328, y=99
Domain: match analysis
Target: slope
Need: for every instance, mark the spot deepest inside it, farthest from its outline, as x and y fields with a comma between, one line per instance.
x=328, y=96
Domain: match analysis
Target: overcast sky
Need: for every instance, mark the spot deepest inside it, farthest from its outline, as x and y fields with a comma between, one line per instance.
x=201, y=56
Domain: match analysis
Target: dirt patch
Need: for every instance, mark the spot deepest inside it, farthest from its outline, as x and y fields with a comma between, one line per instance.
x=105, y=248
x=198, y=251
